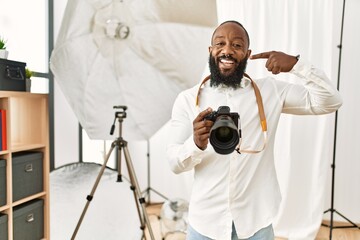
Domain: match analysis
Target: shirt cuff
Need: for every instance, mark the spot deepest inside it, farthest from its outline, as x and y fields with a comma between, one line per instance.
x=301, y=67
x=194, y=154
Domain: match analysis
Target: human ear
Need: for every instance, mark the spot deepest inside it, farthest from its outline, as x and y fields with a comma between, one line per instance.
x=248, y=54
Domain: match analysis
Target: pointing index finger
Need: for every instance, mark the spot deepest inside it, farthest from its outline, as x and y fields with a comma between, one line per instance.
x=260, y=55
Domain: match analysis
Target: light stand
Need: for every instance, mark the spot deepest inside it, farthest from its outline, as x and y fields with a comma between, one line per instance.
x=149, y=188
x=121, y=144
x=331, y=209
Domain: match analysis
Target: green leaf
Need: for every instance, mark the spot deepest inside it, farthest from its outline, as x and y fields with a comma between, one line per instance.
x=2, y=43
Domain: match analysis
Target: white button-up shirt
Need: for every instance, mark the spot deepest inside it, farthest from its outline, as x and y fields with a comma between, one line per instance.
x=241, y=188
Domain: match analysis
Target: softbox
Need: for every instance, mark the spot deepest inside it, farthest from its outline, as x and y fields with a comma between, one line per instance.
x=137, y=53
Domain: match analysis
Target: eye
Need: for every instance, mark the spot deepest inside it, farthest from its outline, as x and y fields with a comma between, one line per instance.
x=219, y=44
x=237, y=45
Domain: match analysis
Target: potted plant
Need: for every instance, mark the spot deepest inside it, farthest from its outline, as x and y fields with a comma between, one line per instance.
x=3, y=52
x=28, y=75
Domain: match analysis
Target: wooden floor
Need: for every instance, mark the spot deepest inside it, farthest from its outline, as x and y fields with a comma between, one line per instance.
x=323, y=234
x=339, y=233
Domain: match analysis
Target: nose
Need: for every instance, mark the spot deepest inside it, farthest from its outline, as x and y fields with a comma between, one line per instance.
x=227, y=50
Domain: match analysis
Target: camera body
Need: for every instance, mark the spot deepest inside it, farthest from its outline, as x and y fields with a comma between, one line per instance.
x=224, y=134
x=223, y=111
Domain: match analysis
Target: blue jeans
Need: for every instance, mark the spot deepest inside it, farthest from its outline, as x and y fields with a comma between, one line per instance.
x=266, y=233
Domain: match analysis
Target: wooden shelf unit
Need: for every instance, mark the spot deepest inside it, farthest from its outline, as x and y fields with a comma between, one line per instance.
x=27, y=130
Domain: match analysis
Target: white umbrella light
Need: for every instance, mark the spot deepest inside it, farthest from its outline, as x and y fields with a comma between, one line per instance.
x=138, y=53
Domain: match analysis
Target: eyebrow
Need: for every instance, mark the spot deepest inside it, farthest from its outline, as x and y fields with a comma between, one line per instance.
x=235, y=38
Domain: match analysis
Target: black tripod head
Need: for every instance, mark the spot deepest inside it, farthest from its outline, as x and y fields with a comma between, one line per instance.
x=120, y=115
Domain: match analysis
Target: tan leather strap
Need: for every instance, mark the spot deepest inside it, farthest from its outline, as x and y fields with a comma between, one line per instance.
x=198, y=93
x=259, y=103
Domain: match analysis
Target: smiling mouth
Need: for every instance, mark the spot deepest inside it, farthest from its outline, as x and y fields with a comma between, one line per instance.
x=226, y=64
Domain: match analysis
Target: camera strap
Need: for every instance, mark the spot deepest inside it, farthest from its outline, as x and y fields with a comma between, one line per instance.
x=260, y=109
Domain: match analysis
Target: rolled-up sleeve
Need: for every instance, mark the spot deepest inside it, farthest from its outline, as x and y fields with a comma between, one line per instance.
x=317, y=95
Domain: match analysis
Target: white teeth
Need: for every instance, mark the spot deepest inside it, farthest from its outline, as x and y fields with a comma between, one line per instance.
x=226, y=61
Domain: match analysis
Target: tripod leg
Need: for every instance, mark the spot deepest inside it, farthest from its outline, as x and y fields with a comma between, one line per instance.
x=119, y=177
x=137, y=192
x=91, y=195
x=132, y=187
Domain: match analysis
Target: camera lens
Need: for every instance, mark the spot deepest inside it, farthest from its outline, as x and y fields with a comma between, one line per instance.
x=224, y=135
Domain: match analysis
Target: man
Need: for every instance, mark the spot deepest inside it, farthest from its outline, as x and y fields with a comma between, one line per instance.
x=236, y=196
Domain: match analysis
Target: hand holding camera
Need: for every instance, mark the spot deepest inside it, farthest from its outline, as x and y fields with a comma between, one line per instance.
x=221, y=128
x=201, y=129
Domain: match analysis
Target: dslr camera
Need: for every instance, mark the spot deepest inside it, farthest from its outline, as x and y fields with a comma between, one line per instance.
x=224, y=134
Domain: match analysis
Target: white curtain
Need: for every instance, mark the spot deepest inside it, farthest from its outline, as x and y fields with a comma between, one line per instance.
x=304, y=144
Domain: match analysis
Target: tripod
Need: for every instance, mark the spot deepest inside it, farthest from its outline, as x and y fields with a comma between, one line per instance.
x=331, y=209
x=121, y=144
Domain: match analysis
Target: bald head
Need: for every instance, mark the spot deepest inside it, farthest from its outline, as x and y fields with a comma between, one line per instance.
x=233, y=22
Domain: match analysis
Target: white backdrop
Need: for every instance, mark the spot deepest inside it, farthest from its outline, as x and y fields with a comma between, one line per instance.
x=304, y=144
x=347, y=192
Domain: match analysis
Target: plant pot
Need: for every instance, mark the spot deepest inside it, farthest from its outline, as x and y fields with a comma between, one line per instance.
x=28, y=84
x=4, y=53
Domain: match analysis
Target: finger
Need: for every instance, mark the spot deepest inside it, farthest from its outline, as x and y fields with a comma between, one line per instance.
x=268, y=64
x=260, y=55
x=202, y=144
x=202, y=114
x=271, y=63
x=203, y=137
x=202, y=127
x=276, y=70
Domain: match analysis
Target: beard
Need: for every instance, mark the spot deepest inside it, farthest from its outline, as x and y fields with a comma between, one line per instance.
x=232, y=80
